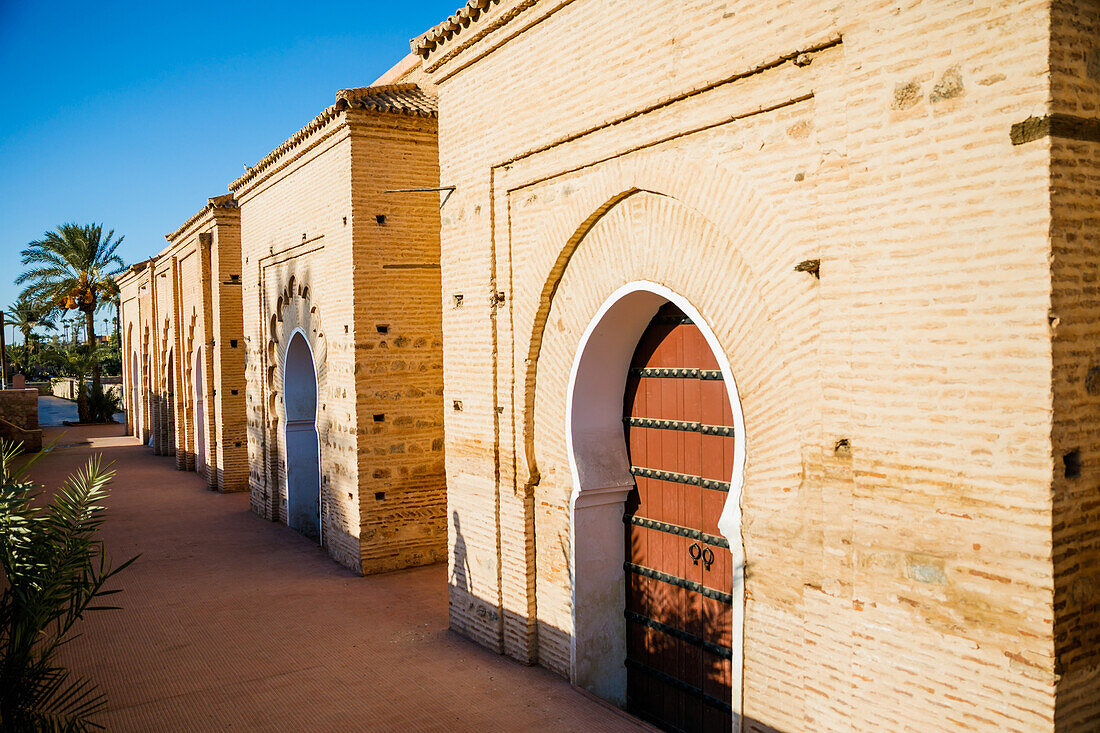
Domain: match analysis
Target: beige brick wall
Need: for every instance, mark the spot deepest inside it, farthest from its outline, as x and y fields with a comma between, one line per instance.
x=135, y=295
x=904, y=583
x=183, y=308
x=398, y=348
x=366, y=296
x=296, y=246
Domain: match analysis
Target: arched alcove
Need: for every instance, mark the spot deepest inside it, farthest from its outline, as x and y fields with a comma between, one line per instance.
x=199, y=413
x=303, y=466
x=170, y=407
x=135, y=395
x=602, y=481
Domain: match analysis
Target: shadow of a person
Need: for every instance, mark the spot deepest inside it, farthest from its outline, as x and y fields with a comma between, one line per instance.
x=460, y=576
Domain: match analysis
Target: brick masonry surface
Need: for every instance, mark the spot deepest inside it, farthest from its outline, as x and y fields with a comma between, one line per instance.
x=884, y=212
x=19, y=418
x=331, y=252
x=183, y=356
x=904, y=286
x=311, y=239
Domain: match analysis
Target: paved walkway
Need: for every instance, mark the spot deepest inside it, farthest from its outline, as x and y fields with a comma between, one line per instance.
x=233, y=622
x=53, y=411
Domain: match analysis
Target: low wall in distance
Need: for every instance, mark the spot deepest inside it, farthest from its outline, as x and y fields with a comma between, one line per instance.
x=19, y=418
x=65, y=387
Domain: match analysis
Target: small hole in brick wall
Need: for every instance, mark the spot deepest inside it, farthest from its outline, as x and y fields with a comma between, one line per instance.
x=458, y=405
x=843, y=446
x=382, y=328
x=458, y=300
x=345, y=221
x=345, y=328
x=232, y=343
x=237, y=444
x=1072, y=463
x=380, y=417
x=380, y=495
x=1092, y=380
x=380, y=218
x=232, y=391
x=235, y=278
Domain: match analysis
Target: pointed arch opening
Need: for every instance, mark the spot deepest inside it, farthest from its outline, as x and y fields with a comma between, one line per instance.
x=616, y=638
x=134, y=416
x=198, y=411
x=303, y=457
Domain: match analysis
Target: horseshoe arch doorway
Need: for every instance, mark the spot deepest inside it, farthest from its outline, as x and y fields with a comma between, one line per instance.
x=198, y=410
x=656, y=448
x=303, y=459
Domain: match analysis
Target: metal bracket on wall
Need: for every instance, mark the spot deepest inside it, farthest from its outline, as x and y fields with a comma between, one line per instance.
x=448, y=189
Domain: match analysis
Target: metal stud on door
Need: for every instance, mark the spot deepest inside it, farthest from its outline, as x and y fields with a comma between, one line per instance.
x=678, y=422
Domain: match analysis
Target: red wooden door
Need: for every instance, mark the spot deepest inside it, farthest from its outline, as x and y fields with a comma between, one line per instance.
x=680, y=439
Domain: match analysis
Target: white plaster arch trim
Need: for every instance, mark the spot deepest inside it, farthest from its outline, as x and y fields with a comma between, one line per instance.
x=629, y=243
x=292, y=312
x=168, y=338
x=289, y=424
x=599, y=466
x=284, y=348
x=135, y=394
x=625, y=333
x=304, y=320
x=754, y=225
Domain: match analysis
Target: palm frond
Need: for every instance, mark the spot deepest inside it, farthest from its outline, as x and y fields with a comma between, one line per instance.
x=56, y=568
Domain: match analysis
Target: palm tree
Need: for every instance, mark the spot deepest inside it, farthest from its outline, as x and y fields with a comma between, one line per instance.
x=74, y=268
x=27, y=316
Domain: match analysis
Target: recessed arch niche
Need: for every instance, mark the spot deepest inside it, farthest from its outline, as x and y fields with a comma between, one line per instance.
x=198, y=411
x=602, y=481
x=303, y=465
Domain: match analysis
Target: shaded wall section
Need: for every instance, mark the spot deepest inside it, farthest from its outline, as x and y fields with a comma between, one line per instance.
x=1074, y=139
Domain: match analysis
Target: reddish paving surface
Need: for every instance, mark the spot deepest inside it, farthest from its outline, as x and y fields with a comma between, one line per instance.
x=233, y=622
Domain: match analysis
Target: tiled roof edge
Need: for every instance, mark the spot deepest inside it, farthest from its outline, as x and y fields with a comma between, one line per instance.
x=251, y=172
x=223, y=201
x=462, y=19
x=376, y=99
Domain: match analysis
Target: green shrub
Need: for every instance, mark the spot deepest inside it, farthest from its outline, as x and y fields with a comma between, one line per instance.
x=102, y=405
x=55, y=568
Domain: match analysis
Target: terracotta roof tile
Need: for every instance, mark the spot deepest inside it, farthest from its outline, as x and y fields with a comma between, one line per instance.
x=404, y=99
x=469, y=13
x=224, y=201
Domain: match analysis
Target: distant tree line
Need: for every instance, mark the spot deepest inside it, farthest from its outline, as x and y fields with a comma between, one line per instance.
x=71, y=270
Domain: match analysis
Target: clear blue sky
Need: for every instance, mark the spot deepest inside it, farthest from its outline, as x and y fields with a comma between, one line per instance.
x=134, y=113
